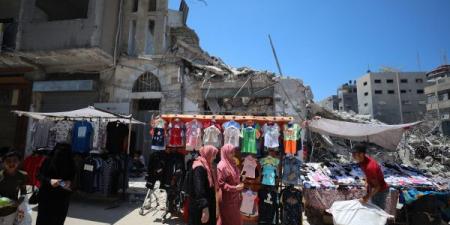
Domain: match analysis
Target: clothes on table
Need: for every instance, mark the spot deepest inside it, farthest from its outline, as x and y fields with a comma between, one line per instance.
x=271, y=135
x=249, y=204
x=193, y=135
x=176, y=133
x=291, y=171
x=82, y=136
x=291, y=200
x=249, y=167
x=291, y=135
x=268, y=206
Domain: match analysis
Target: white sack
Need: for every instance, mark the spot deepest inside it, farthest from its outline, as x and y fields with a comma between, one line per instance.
x=354, y=213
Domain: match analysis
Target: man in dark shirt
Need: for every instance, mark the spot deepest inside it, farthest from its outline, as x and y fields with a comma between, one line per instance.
x=377, y=188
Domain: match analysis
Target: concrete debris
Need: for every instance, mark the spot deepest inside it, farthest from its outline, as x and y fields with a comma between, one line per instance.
x=421, y=147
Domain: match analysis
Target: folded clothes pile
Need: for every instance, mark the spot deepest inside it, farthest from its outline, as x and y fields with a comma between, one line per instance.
x=333, y=175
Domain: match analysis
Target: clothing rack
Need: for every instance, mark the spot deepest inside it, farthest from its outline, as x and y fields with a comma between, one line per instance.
x=228, y=117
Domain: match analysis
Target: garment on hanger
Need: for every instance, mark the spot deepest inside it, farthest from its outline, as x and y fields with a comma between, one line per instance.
x=291, y=199
x=99, y=137
x=82, y=137
x=116, y=134
x=193, y=135
x=248, y=135
x=291, y=171
x=271, y=135
x=231, y=136
x=249, y=168
x=212, y=136
x=269, y=173
x=269, y=160
x=291, y=135
x=248, y=205
x=268, y=206
x=63, y=131
x=31, y=165
x=176, y=133
x=40, y=131
x=231, y=123
x=158, y=133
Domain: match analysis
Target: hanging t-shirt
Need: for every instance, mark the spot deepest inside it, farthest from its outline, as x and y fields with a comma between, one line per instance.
x=63, y=131
x=292, y=206
x=158, y=134
x=231, y=136
x=291, y=171
x=269, y=174
x=231, y=123
x=40, y=132
x=212, y=136
x=99, y=138
x=176, y=134
x=82, y=137
x=249, y=167
x=248, y=206
x=271, y=135
x=248, y=140
x=193, y=135
x=268, y=205
x=269, y=160
x=291, y=134
x=116, y=134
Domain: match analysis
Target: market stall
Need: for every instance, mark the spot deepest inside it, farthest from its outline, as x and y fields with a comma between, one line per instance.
x=100, y=140
x=268, y=158
x=327, y=182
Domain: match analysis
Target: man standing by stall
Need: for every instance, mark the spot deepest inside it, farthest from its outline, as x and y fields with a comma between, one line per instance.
x=377, y=188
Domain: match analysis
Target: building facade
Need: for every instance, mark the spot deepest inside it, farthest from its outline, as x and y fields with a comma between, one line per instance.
x=392, y=97
x=330, y=103
x=438, y=96
x=127, y=56
x=347, y=97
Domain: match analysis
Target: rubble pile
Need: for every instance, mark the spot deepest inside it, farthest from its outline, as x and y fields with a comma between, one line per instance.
x=421, y=147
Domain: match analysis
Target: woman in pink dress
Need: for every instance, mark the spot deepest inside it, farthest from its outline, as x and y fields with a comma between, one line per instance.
x=228, y=175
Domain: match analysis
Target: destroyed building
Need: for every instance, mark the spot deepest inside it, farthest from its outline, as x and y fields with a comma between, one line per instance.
x=129, y=57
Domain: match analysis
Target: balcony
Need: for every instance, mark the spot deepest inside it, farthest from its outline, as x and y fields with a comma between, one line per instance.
x=66, y=35
x=442, y=85
x=442, y=105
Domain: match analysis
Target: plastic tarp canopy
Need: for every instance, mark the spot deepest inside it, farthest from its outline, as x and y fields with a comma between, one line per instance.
x=79, y=114
x=354, y=212
x=386, y=136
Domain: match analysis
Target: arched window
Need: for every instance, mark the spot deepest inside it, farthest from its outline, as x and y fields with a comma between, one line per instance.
x=147, y=82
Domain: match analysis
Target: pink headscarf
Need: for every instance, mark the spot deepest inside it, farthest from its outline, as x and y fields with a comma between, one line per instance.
x=207, y=153
x=227, y=163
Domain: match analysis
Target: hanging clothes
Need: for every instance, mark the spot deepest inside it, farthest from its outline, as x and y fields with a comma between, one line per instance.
x=231, y=136
x=248, y=135
x=99, y=137
x=249, y=205
x=116, y=134
x=40, y=131
x=81, y=137
x=271, y=135
x=291, y=199
x=212, y=136
x=31, y=165
x=268, y=206
x=269, y=170
x=158, y=133
x=249, y=167
x=292, y=171
x=231, y=123
x=176, y=133
x=193, y=135
x=291, y=133
x=63, y=131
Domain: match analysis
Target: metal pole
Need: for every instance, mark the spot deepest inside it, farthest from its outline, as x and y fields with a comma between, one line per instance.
x=124, y=184
x=399, y=97
x=275, y=55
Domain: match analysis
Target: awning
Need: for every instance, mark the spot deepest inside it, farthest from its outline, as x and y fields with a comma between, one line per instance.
x=386, y=136
x=80, y=114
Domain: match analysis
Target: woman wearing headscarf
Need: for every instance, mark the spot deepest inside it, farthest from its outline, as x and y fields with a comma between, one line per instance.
x=228, y=177
x=202, y=207
x=56, y=175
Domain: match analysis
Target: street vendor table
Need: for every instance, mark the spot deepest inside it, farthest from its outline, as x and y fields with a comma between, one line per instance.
x=319, y=200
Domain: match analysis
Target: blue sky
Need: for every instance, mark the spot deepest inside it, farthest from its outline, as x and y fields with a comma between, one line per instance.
x=324, y=42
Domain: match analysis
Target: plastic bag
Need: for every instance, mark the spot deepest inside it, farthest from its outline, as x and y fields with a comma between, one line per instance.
x=354, y=212
x=23, y=214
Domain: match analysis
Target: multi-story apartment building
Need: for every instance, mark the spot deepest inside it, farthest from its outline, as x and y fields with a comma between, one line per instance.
x=438, y=94
x=392, y=97
x=347, y=97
